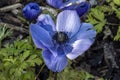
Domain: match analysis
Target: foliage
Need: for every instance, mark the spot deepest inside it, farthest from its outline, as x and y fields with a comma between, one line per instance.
x=4, y=32
x=117, y=2
x=117, y=37
x=73, y=74
x=115, y=9
x=98, y=15
x=97, y=18
x=17, y=61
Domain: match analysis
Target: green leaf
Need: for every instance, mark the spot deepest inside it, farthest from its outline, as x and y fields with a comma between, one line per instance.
x=32, y=57
x=99, y=27
x=117, y=37
x=25, y=55
x=117, y=2
x=38, y=61
x=97, y=18
x=118, y=13
x=18, y=58
x=28, y=75
x=4, y=32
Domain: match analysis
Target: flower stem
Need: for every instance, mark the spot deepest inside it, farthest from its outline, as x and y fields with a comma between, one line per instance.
x=40, y=71
x=55, y=77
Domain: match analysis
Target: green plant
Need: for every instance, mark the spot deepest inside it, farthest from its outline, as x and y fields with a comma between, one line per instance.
x=115, y=9
x=73, y=74
x=117, y=2
x=17, y=61
x=97, y=18
x=4, y=32
x=117, y=37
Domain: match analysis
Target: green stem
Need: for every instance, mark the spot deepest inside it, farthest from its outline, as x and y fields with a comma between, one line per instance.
x=40, y=71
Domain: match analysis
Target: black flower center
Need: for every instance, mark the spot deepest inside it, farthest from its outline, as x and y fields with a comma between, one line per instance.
x=60, y=37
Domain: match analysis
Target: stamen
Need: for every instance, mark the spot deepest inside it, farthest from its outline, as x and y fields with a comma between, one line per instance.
x=60, y=37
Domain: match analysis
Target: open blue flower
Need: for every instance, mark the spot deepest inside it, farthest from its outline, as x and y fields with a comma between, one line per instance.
x=81, y=6
x=31, y=11
x=67, y=39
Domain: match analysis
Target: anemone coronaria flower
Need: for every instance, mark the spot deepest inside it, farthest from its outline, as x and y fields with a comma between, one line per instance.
x=68, y=39
x=31, y=11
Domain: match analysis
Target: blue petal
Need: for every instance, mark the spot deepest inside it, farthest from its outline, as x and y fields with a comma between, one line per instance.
x=79, y=47
x=54, y=63
x=55, y=3
x=82, y=40
x=72, y=2
x=40, y=36
x=83, y=8
x=46, y=22
x=86, y=32
x=31, y=11
x=57, y=48
x=38, y=44
x=68, y=21
x=79, y=6
x=67, y=48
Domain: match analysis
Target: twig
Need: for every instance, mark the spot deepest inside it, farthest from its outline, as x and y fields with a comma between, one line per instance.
x=11, y=19
x=17, y=28
x=40, y=71
x=10, y=8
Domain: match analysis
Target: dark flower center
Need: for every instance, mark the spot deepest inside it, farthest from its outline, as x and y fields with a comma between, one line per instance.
x=60, y=37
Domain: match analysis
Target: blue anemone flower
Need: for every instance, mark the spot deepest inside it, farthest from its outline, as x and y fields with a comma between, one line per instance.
x=67, y=39
x=81, y=6
x=31, y=11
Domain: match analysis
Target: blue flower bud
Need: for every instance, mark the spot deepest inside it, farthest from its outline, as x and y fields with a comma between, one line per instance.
x=31, y=11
